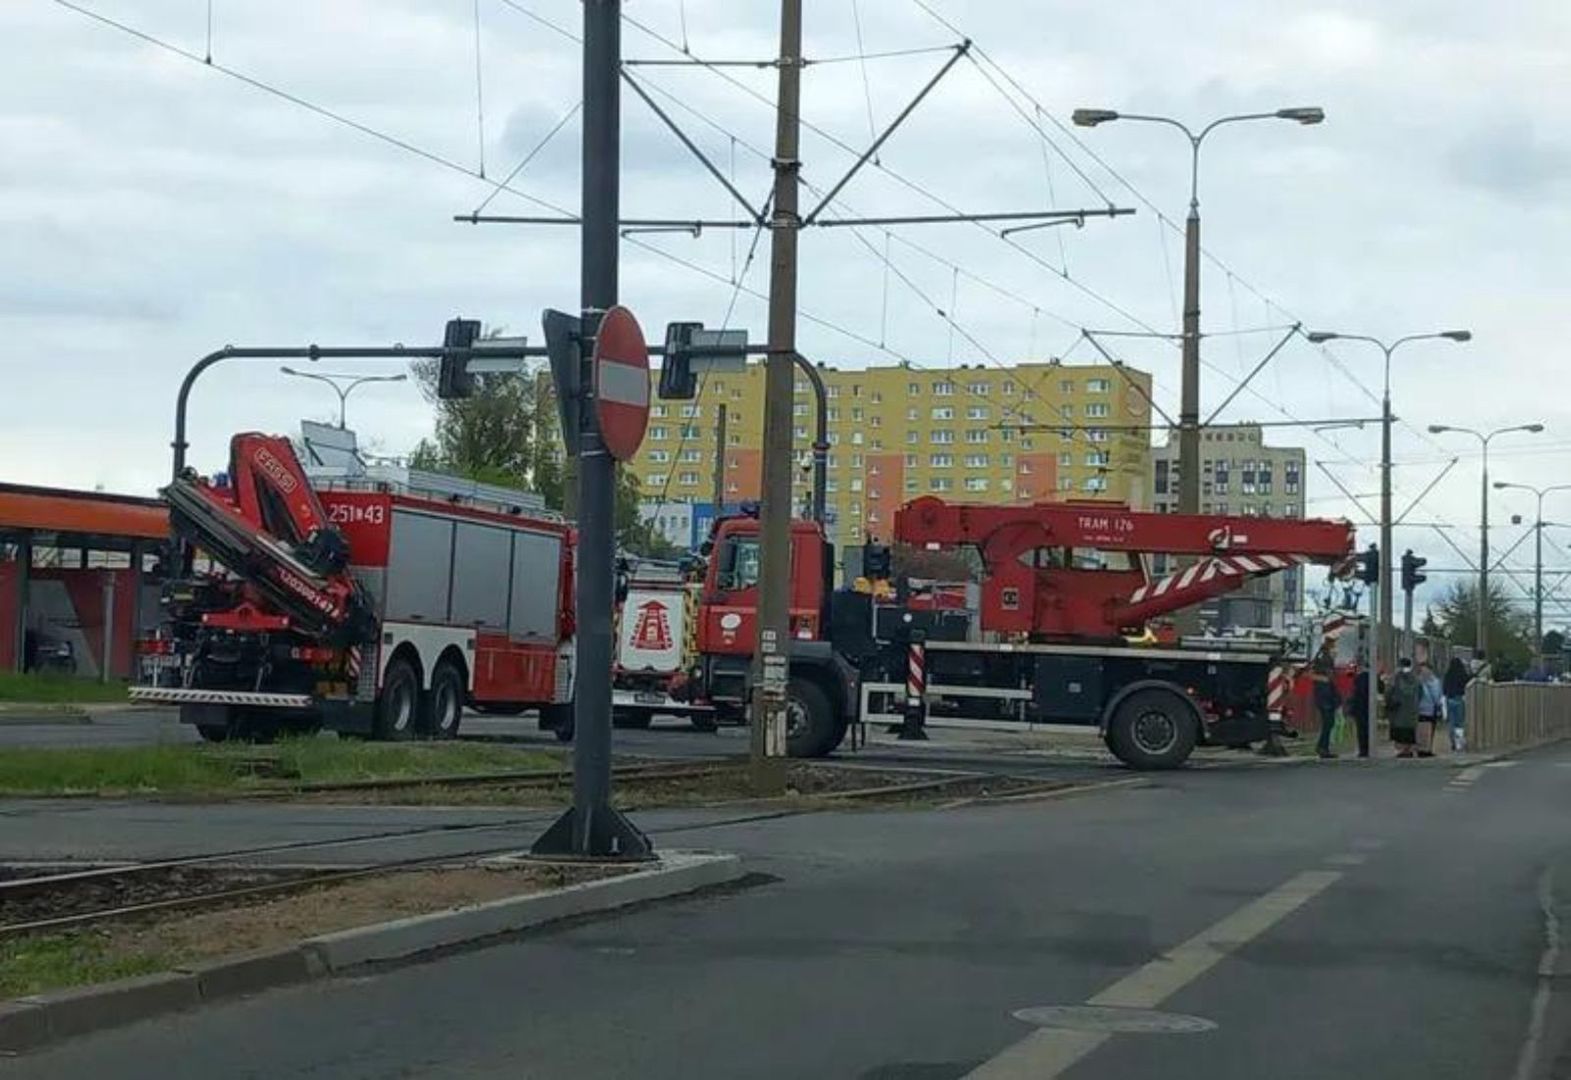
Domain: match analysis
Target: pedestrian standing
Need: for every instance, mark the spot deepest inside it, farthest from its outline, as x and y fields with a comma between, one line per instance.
x=1455, y=688
x=1402, y=708
x=1357, y=709
x=1323, y=672
x=1431, y=708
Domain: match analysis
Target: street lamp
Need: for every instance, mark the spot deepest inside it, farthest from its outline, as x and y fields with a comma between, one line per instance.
x=1386, y=637
x=1189, y=406
x=1538, y=555
x=1483, y=525
x=343, y=392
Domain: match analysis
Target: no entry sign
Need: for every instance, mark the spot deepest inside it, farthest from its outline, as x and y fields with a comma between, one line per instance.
x=621, y=367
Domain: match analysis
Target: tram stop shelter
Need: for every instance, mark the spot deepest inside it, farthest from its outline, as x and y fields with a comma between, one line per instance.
x=79, y=579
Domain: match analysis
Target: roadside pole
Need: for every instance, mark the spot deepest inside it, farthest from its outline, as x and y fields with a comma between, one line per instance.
x=592, y=828
x=720, y=457
x=1372, y=649
x=771, y=676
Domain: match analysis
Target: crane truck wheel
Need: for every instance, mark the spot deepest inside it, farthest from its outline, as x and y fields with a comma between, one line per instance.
x=398, y=706
x=812, y=729
x=1152, y=729
x=558, y=719
x=446, y=702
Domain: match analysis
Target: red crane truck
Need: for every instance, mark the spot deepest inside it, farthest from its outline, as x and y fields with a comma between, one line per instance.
x=1064, y=585
x=356, y=605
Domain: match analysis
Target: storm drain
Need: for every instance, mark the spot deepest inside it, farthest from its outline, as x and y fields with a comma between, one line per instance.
x=1112, y=1019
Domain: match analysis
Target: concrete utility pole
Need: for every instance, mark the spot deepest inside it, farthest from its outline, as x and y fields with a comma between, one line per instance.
x=720, y=456
x=1484, y=437
x=1538, y=556
x=1386, y=633
x=774, y=593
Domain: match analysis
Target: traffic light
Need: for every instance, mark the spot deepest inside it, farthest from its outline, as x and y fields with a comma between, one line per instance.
x=678, y=382
x=1411, y=565
x=453, y=378
x=1369, y=565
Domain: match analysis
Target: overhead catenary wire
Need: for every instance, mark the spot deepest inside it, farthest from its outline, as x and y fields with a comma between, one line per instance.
x=530, y=156
x=305, y=103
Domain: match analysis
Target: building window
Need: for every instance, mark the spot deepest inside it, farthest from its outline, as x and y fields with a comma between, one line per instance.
x=733, y=439
x=1095, y=483
x=1289, y=510
x=1006, y=460
x=833, y=414
x=657, y=411
x=691, y=457
x=832, y=461
x=659, y=431
x=941, y=483
x=689, y=431
x=856, y=461
x=943, y=436
x=977, y=412
x=912, y=389
x=799, y=408
x=831, y=485
x=875, y=421
x=856, y=389
x=659, y=457
x=1067, y=459
x=910, y=461
x=976, y=435
x=913, y=437
x=877, y=397
x=692, y=412
x=977, y=388
x=719, y=386
x=856, y=438
x=913, y=413
x=1098, y=386
x=655, y=479
x=1066, y=386
x=1006, y=435
x=1221, y=507
x=940, y=461
x=834, y=438
x=943, y=412
x=976, y=483
x=1097, y=458
x=1008, y=387
x=856, y=414
x=1096, y=434
x=687, y=479
x=944, y=388
x=736, y=395
x=910, y=484
x=799, y=432
x=1025, y=467
x=1067, y=412
x=976, y=461
x=856, y=483
x=832, y=391
x=1065, y=484
x=1097, y=409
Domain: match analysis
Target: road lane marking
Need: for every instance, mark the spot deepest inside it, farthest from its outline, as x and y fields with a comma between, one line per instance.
x=1468, y=775
x=1047, y=1053
x=1501, y=764
x=1352, y=858
x=1527, y=1057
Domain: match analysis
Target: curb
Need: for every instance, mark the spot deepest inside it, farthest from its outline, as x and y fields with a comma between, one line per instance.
x=21, y=714
x=32, y=1022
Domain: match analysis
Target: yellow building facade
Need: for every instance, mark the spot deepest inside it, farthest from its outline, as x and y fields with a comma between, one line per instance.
x=899, y=432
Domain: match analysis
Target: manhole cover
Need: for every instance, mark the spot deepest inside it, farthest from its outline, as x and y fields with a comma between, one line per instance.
x=1113, y=1019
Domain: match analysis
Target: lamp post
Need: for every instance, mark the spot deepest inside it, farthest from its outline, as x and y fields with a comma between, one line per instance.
x=343, y=391
x=1189, y=406
x=1483, y=438
x=1538, y=555
x=1386, y=635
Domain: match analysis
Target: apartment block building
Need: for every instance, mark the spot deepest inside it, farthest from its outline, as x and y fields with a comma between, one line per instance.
x=898, y=432
x=1240, y=474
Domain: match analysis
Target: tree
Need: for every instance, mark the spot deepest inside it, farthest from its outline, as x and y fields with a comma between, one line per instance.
x=1554, y=643
x=1510, y=631
x=508, y=433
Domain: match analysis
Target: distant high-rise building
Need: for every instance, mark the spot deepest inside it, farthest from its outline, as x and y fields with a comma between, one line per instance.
x=899, y=432
x=1241, y=475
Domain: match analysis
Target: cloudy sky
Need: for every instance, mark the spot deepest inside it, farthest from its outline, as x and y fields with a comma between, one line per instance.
x=152, y=208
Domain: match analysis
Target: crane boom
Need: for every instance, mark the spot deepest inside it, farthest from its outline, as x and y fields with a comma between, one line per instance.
x=1073, y=569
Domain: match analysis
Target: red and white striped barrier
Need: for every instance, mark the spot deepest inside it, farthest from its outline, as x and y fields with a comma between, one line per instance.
x=916, y=674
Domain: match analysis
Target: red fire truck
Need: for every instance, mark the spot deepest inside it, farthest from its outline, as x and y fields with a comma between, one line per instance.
x=362, y=605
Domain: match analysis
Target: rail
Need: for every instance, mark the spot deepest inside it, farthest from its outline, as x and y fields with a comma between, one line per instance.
x=1502, y=716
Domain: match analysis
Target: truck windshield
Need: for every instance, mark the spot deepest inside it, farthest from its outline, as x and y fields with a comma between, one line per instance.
x=738, y=564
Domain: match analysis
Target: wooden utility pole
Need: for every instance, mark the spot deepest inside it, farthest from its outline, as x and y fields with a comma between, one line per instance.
x=771, y=676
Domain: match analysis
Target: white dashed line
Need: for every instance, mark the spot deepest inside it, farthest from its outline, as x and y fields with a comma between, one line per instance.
x=1047, y=1053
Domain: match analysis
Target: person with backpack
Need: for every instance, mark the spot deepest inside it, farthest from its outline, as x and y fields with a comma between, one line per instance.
x=1322, y=671
x=1402, y=708
x=1454, y=686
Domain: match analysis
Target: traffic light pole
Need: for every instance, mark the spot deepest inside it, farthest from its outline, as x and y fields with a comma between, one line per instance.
x=1372, y=648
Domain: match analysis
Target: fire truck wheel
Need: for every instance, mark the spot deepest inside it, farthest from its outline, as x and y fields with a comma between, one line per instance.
x=446, y=702
x=631, y=719
x=704, y=722
x=810, y=720
x=1152, y=729
x=559, y=720
x=398, y=707
x=213, y=732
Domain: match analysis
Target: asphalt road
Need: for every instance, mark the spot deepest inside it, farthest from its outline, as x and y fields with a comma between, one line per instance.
x=1388, y=919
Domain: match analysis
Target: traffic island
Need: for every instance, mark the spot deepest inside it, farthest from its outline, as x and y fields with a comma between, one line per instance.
x=121, y=969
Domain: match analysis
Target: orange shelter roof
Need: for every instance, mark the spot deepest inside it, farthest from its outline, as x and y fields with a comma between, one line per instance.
x=56, y=510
